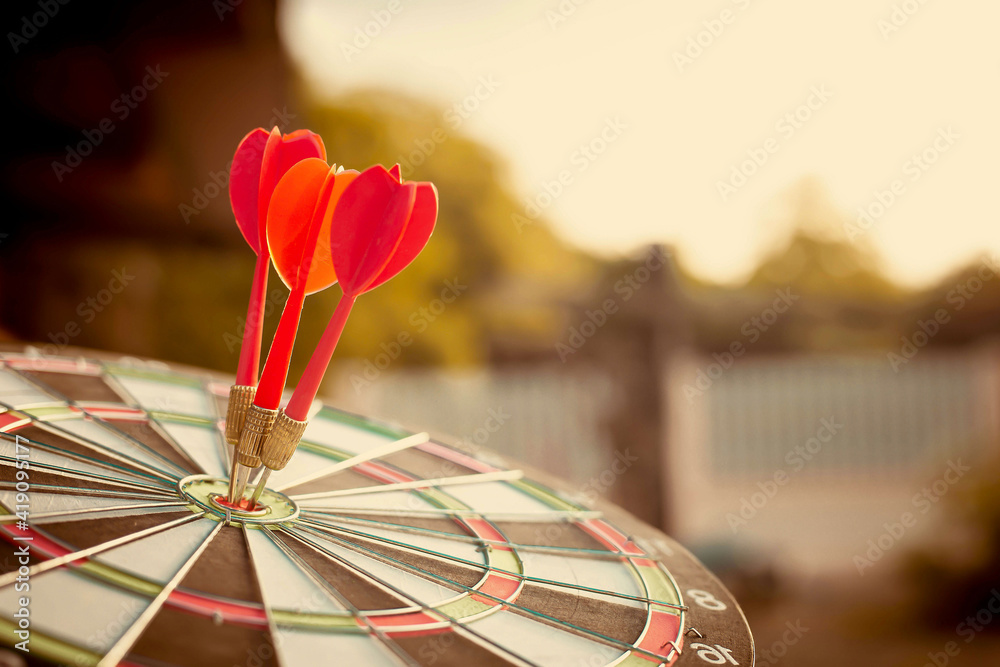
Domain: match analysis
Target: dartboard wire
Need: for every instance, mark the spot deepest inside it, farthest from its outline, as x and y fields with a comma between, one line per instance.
x=528, y=517
x=132, y=470
x=431, y=611
x=157, y=427
x=714, y=579
x=134, y=632
x=227, y=450
x=130, y=400
x=87, y=476
x=11, y=518
x=84, y=491
x=649, y=616
x=83, y=458
x=544, y=618
x=590, y=554
x=684, y=612
x=60, y=472
x=52, y=563
x=143, y=468
x=578, y=552
x=334, y=594
x=138, y=444
x=490, y=568
x=272, y=627
x=437, y=482
x=379, y=451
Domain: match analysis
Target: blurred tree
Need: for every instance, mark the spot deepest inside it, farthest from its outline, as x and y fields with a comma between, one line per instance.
x=843, y=300
x=504, y=278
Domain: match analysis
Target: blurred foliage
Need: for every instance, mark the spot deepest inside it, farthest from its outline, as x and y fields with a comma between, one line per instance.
x=959, y=573
x=844, y=300
x=505, y=281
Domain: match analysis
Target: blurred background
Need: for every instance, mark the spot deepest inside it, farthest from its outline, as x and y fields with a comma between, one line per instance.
x=746, y=248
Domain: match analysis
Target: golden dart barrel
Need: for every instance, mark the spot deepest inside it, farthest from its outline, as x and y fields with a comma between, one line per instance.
x=255, y=431
x=240, y=400
x=281, y=443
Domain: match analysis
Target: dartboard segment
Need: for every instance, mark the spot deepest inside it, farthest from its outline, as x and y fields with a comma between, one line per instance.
x=376, y=546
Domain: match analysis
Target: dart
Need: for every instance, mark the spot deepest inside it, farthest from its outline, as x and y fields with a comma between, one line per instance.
x=298, y=241
x=260, y=160
x=379, y=226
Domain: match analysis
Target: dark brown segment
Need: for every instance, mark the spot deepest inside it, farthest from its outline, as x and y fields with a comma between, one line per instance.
x=77, y=387
x=345, y=479
x=91, y=532
x=179, y=638
x=56, y=441
x=359, y=591
x=611, y=619
x=225, y=569
x=148, y=434
x=548, y=534
x=10, y=560
x=425, y=466
x=39, y=477
x=454, y=526
x=464, y=575
x=449, y=649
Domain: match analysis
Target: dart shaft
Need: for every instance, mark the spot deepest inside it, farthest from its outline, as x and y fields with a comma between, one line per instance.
x=249, y=365
x=260, y=487
x=272, y=380
x=305, y=392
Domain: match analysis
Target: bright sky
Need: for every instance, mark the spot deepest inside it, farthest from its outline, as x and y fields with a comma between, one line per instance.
x=681, y=129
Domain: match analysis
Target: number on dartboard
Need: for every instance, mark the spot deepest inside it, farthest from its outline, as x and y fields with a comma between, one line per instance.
x=706, y=600
x=714, y=655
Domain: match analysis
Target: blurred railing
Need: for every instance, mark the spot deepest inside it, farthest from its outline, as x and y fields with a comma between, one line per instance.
x=542, y=416
x=812, y=455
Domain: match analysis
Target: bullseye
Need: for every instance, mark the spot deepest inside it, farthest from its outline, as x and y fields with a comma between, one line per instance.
x=211, y=494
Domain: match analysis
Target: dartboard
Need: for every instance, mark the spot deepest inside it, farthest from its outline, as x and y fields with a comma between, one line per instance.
x=374, y=546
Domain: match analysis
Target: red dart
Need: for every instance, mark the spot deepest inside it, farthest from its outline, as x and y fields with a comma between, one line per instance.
x=261, y=159
x=298, y=239
x=379, y=226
